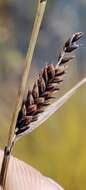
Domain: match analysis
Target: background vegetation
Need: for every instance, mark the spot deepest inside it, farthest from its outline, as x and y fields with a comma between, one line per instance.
x=58, y=148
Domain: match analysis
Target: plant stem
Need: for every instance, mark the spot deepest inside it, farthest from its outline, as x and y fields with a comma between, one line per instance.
x=38, y=19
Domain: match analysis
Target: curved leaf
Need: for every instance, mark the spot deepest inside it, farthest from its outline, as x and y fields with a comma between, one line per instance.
x=22, y=176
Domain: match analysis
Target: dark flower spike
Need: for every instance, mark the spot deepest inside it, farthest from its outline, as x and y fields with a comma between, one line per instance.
x=69, y=46
x=44, y=88
x=77, y=36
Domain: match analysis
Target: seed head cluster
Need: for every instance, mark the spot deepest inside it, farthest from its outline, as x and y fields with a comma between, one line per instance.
x=45, y=86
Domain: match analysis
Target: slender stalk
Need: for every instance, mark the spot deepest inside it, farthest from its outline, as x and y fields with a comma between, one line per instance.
x=38, y=19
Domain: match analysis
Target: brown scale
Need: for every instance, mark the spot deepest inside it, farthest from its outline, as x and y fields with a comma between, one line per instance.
x=51, y=71
x=45, y=75
x=44, y=88
x=35, y=91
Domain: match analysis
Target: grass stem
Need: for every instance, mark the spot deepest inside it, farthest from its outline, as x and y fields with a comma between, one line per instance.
x=38, y=20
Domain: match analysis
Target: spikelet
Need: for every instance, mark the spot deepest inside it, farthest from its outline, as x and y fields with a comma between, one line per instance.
x=46, y=85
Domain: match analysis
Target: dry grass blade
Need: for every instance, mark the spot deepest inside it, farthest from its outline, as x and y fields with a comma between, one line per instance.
x=38, y=19
x=25, y=177
x=35, y=31
x=52, y=109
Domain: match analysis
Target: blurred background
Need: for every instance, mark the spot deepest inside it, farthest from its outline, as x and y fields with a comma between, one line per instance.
x=58, y=147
